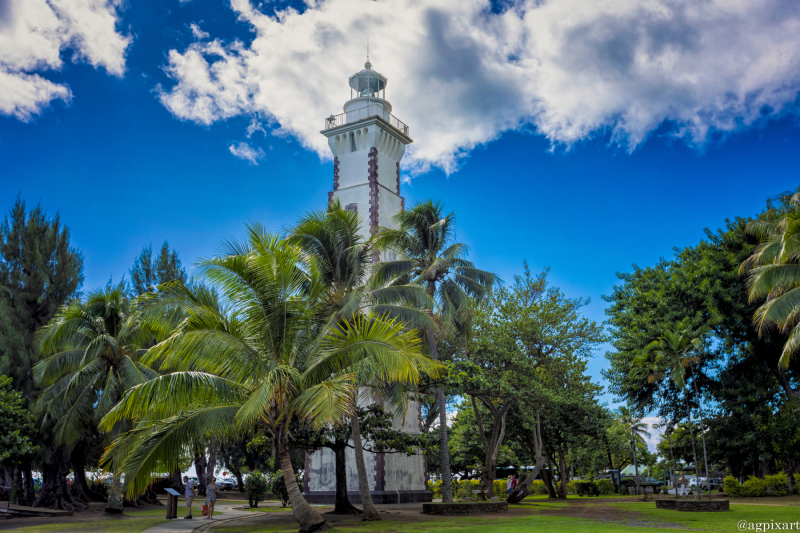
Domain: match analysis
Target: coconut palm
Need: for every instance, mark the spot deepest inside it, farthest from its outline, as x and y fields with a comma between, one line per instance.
x=334, y=249
x=774, y=271
x=638, y=431
x=676, y=347
x=265, y=351
x=91, y=354
x=427, y=255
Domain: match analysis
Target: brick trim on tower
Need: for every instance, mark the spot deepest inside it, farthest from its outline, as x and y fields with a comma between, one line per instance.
x=336, y=173
x=372, y=178
x=380, y=472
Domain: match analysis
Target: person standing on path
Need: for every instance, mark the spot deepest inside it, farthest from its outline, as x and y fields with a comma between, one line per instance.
x=514, y=483
x=508, y=485
x=211, y=496
x=682, y=485
x=190, y=494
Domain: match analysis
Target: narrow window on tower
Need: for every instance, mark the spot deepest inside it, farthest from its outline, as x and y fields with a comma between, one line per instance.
x=352, y=143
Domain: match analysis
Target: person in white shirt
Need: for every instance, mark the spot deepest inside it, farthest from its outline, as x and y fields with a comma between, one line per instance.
x=508, y=485
x=190, y=494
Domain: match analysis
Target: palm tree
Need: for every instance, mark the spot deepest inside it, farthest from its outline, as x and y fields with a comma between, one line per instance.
x=638, y=431
x=334, y=249
x=90, y=357
x=675, y=350
x=774, y=271
x=265, y=351
x=428, y=255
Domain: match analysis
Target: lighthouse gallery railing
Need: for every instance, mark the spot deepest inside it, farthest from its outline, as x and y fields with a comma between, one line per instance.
x=334, y=121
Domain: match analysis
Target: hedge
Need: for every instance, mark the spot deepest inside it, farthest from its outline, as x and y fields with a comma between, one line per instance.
x=774, y=485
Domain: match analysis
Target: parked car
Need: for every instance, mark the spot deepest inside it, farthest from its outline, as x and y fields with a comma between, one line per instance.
x=652, y=481
x=227, y=483
x=693, y=481
x=712, y=483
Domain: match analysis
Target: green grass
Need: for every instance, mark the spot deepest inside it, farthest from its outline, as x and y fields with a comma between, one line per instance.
x=98, y=526
x=535, y=521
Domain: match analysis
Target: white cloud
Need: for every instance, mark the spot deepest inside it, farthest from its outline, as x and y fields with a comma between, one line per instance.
x=198, y=33
x=460, y=75
x=33, y=35
x=655, y=433
x=246, y=152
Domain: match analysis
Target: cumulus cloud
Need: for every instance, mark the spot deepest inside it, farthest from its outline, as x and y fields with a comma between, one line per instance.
x=461, y=75
x=33, y=35
x=246, y=152
x=198, y=33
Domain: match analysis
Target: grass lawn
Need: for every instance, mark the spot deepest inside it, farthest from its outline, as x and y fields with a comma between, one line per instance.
x=554, y=516
x=115, y=526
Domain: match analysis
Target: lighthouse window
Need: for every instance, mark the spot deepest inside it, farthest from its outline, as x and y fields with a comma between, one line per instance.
x=352, y=142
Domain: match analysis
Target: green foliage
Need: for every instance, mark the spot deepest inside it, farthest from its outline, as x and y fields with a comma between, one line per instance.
x=17, y=423
x=732, y=487
x=754, y=487
x=796, y=478
x=39, y=272
x=256, y=487
x=777, y=484
x=148, y=272
x=586, y=487
x=277, y=486
x=605, y=486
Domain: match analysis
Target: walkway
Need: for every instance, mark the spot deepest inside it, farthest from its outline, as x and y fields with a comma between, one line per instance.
x=201, y=523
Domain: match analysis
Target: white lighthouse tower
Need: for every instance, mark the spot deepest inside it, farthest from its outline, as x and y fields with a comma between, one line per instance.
x=368, y=143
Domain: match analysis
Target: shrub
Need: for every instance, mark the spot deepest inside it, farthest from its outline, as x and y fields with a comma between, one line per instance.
x=537, y=487
x=436, y=488
x=277, y=486
x=256, y=488
x=605, y=486
x=754, y=487
x=777, y=484
x=796, y=482
x=586, y=487
x=732, y=487
x=499, y=488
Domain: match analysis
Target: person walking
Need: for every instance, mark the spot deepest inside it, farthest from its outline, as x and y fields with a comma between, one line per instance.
x=514, y=482
x=508, y=485
x=190, y=494
x=682, y=485
x=211, y=496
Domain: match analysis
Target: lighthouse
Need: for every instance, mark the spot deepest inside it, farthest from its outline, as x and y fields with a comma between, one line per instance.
x=368, y=143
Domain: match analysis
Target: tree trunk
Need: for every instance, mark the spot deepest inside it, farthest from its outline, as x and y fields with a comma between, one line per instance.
x=200, y=463
x=370, y=513
x=547, y=477
x=524, y=488
x=562, y=474
x=239, y=481
x=342, y=505
x=635, y=463
x=674, y=480
x=116, y=496
x=82, y=490
x=694, y=448
x=27, y=482
x=447, y=484
x=703, y=437
x=307, y=517
x=212, y=461
x=55, y=490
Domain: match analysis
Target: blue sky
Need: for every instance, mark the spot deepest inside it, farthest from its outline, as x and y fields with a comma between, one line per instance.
x=580, y=170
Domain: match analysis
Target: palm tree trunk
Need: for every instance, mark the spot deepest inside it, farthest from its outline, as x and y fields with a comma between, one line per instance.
x=674, y=481
x=702, y=436
x=635, y=464
x=694, y=448
x=307, y=517
x=370, y=513
x=447, y=487
x=116, y=497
